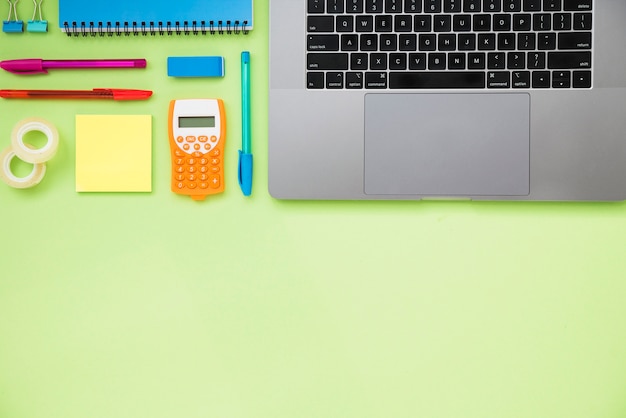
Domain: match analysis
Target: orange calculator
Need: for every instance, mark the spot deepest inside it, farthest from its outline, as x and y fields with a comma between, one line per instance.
x=197, y=131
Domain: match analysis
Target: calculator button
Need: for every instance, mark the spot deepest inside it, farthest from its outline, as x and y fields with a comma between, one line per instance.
x=207, y=147
x=180, y=139
x=214, y=181
x=213, y=138
x=196, y=146
x=204, y=161
x=215, y=153
x=215, y=169
x=180, y=185
x=180, y=169
x=192, y=177
x=204, y=185
x=215, y=161
x=179, y=153
x=180, y=177
x=192, y=169
x=180, y=161
x=203, y=138
x=191, y=138
x=192, y=185
x=186, y=147
x=191, y=161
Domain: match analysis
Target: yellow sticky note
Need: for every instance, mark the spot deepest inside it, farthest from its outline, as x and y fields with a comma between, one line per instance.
x=113, y=153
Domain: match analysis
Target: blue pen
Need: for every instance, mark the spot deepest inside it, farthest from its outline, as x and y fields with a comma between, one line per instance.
x=245, y=154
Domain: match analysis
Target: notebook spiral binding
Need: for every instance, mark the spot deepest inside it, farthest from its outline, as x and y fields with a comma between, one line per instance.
x=153, y=28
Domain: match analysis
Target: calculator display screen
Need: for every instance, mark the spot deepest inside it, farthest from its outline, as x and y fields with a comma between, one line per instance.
x=196, y=122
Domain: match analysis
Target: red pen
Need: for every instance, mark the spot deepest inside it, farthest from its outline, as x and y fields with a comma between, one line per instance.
x=111, y=94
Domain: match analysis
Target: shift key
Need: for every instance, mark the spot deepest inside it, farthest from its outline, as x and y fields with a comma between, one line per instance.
x=323, y=61
x=569, y=60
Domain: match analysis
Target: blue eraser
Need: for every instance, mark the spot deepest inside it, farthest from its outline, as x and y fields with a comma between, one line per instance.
x=12, y=26
x=195, y=66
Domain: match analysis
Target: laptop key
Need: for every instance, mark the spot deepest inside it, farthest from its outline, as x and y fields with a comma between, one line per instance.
x=323, y=42
x=327, y=61
x=536, y=60
x=574, y=40
x=364, y=24
x=334, y=6
x=376, y=80
x=320, y=24
x=316, y=6
x=417, y=61
x=354, y=80
x=561, y=79
x=492, y=6
x=577, y=5
x=334, y=80
x=581, y=79
x=378, y=61
x=498, y=79
x=359, y=61
x=541, y=79
x=569, y=60
x=437, y=80
x=393, y=6
x=349, y=42
x=397, y=62
x=432, y=6
x=552, y=5
x=315, y=80
x=520, y=79
x=374, y=6
x=477, y=61
x=472, y=6
x=413, y=6
x=532, y=5
x=354, y=6
x=562, y=21
x=546, y=41
x=345, y=24
x=582, y=21
x=452, y=6
x=512, y=6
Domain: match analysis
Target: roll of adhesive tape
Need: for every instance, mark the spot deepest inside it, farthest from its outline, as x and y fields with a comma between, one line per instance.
x=33, y=179
x=28, y=153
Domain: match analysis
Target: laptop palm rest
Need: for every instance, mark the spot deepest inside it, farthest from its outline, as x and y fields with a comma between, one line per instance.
x=447, y=144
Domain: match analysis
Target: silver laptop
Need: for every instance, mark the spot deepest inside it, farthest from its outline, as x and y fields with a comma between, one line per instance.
x=448, y=99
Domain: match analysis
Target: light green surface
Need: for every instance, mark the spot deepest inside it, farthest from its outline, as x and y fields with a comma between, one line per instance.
x=152, y=305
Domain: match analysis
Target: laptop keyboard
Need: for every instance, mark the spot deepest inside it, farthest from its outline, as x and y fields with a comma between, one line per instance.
x=449, y=44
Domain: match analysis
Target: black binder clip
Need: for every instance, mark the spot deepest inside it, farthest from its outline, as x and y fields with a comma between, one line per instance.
x=40, y=25
x=12, y=26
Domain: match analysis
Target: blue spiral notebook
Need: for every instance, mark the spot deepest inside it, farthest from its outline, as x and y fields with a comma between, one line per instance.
x=155, y=16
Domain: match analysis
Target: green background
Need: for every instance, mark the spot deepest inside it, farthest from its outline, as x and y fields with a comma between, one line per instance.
x=153, y=305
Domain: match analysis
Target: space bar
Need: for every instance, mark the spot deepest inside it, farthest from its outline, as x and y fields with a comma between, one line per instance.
x=437, y=80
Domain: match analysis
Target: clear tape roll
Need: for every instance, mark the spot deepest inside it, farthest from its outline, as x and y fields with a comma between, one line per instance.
x=33, y=179
x=28, y=153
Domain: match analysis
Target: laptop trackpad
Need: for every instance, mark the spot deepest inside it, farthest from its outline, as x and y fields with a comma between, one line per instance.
x=447, y=144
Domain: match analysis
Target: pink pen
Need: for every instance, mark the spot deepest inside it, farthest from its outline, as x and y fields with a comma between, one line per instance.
x=39, y=66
